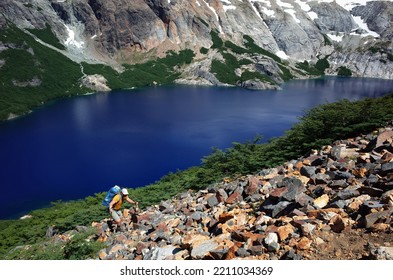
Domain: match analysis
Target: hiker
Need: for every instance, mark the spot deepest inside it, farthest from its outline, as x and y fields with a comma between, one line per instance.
x=115, y=205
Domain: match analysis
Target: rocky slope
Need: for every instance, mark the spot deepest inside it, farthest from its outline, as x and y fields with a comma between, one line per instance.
x=335, y=203
x=354, y=34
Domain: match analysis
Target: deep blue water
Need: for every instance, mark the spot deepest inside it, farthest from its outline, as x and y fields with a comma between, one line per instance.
x=79, y=146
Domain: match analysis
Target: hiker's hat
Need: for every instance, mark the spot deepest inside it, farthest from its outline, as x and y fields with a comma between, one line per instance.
x=124, y=191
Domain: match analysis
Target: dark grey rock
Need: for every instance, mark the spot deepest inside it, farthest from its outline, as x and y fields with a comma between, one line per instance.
x=212, y=201
x=291, y=255
x=308, y=171
x=348, y=193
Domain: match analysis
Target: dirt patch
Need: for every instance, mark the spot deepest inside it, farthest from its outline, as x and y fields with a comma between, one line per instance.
x=351, y=244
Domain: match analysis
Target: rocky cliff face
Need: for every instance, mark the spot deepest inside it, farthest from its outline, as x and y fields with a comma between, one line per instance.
x=356, y=34
x=336, y=203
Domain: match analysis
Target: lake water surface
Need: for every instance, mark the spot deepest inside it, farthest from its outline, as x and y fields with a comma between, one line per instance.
x=79, y=146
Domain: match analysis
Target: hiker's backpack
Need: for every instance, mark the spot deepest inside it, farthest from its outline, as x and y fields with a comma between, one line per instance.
x=110, y=194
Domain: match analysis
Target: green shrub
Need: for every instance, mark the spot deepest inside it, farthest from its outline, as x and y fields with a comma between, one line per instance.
x=217, y=41
x=322, y=65
x=327, y=41
x=39, y=251
x=82, y=247
x=309, y=69
x=254, y=48
x=203, y=21
x=247, y=75
x=286, y=74
x=204, y=50
x=344, y=71
x=235, y=48
x=223, y=72
x=374, y=49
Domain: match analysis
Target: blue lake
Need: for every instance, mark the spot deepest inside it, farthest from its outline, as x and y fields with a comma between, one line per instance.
x=76, y=147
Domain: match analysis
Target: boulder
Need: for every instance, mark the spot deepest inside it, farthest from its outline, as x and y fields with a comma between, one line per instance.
x=161, y=253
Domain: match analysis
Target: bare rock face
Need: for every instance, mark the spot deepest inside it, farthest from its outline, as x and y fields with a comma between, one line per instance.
x=352, y=35
x=95, y=83
x=378, y=15
x=342, y=20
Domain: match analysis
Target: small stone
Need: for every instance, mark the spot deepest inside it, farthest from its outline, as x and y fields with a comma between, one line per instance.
x=319, y=241
x=290, y=255
x=161, y=253
x=196, y=216
x=116, y=248
x=102, y=254
x=234, y=198
x=308, y=171
x=202, y=249
x=381, y=253
x=380, y=227
x=212, y=201
x=252, y=186
x=285, y=231
x=387, y=167
x=271, y=242
x=377, y=216
x=304, y=243
x=221, y=195
x=348, y=193
x=337, y=224
x=321, y=201
x=256, y=250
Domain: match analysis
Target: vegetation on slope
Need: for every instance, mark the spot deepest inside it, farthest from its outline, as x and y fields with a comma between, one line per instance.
x=25, y=61
x=33, y=74
x=319, y=126
x=225, y=70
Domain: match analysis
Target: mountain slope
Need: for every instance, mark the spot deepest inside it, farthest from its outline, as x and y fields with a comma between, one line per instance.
x=336, y=203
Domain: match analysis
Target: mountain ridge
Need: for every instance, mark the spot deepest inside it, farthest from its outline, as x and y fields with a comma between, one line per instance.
x=296, y=30
x=255, y=44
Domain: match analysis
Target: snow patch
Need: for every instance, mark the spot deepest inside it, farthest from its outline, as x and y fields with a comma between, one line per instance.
x=364, y=26
x=71, y=41
x=282, y=54
x=197, y=2
x=266, y=2
x=312, y=15
x=269, y=13
x=215, y=13
x=336, y=38
x=284, y=5
x=227, y=5
x=292, y=12
x=265, y=10
x=303, y=5
x=288, y=8
x=349, y=4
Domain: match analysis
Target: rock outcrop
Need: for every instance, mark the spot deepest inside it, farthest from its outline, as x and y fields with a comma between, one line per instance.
x=335, y=203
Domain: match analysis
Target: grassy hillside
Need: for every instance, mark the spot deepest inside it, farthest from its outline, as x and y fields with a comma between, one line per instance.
x=319, y=126
x=32, y=74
